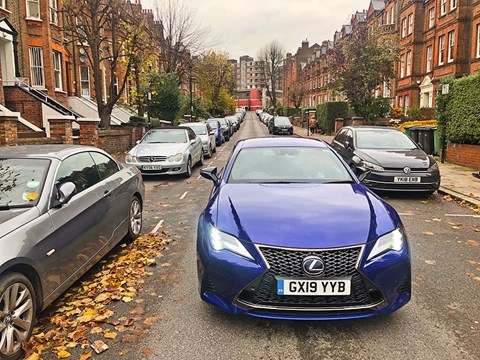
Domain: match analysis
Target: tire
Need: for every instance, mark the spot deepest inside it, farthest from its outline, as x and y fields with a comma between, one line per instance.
x=20, y=314
x=202, y=158
x=214, y=149
x=188, y=173
x=135, y=219
x=210, y=152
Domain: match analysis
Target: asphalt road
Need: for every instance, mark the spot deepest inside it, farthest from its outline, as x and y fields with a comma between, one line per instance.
x=440, y=322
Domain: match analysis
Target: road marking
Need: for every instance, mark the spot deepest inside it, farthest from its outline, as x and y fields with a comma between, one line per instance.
x=406, y=214
x=199, y=177
x=183, y=196
x=155, y=229
x=462, y=215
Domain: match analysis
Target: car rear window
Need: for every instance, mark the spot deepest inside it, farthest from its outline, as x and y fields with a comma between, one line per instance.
x=288, y=165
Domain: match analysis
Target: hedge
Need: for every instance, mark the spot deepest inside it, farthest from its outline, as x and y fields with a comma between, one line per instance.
x=463, y=111
x=328, y=112
x=137, y=120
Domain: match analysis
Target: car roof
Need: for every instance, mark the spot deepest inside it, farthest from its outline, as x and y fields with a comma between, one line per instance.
x=192, y=123
x=58, y=151
x=168, y=128
x=281, y=141
x=375, y=128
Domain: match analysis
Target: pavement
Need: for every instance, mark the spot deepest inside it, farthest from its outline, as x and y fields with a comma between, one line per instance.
x=456, y=181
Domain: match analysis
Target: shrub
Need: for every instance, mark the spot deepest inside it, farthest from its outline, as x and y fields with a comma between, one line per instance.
x=137, y=120
x=328, y=112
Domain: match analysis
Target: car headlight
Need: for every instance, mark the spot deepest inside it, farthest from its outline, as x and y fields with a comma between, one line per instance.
x=433, y=168
x=371, y=166
x=177, y=157
x=130, y=158
x=391, y=241
x=223, y=241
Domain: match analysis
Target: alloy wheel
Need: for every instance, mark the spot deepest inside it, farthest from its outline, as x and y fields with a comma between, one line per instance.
x=16, y=318
x=135, y=217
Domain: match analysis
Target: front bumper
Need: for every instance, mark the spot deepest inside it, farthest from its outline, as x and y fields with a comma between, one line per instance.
x=165, y=167
x=241, y=286
x=384, y=181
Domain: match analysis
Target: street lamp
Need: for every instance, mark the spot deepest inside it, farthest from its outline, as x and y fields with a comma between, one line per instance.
x=149, y=97
x=190, y=68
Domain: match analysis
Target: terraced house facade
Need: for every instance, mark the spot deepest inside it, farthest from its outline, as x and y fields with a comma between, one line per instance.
x=438, y=38
x=45, y=71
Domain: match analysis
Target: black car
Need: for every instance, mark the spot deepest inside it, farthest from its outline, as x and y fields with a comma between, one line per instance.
x=280, y=125
x=391, y=160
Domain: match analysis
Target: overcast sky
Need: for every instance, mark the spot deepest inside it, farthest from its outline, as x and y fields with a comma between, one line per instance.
x=242, y=27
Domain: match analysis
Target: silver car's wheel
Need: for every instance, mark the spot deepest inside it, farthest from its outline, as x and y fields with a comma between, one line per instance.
x=209, y=154
x=135, y=219
x=202, y=158
x=188, y=173
x=17, y=312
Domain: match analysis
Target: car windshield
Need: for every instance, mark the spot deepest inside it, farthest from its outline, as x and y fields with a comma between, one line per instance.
x=282, y=121
x=383, y=139
x=199, y=129
x=21, y=181
x=223, y=122
x=288, y=165
x=165, y=136
x=213, y=124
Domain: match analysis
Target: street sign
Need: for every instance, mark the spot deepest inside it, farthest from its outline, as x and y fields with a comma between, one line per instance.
x=445, y=89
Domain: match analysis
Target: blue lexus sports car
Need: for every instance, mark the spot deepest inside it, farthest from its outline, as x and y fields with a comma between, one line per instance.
x=289, y=232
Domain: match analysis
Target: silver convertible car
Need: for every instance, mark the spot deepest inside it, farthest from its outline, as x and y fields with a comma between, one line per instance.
x=167, y=150
x=62, y=208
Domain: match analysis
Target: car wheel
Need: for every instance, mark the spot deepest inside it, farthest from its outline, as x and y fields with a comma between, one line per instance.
x=209, y=154
x=17, y=314
x=214, y=149
x=135, y=219
x=188, y=173
x=202, y=158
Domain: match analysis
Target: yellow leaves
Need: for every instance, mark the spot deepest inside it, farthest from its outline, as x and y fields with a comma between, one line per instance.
x=127, y=299
x=63, y=354
x=110, y=335
x=427, y=233
x=86, y=356
x=150, y=320
x=102, y=297
x=34, y=356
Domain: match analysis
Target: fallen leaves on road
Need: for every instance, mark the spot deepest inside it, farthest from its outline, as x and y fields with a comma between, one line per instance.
x=431, y=262
x=427, y=233
x=83, y=313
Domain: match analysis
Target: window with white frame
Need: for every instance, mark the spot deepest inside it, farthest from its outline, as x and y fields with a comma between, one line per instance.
x=392, y=16
x=33, y=9
x=429, y=58
x=443, y=7
x=407, y=101
x=409, y=63
x=400, y=101
x=451, y=45
x=36, y=66
x=54, y=11
x=402, y=66
x=410, y=24
x=57, y=70
x=84, y=81
x=386, y=89
x=441, y=50
x=404, y=27
x=431, y=18
x=478, y=41
x=2, y=4
x=453, y=4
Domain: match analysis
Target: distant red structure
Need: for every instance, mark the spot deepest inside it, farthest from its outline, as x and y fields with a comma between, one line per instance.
x=250, y=99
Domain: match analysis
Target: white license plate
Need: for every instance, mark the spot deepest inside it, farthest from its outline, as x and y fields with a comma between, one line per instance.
x=152, y=167
x=406, y=179
x=314, y=287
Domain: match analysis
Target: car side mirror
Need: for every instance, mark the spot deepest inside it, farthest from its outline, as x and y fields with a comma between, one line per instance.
x=210, y=173
x=348, y=146
x=66, y=192
x=193, y=141
x=363, y=175
x=212, y=132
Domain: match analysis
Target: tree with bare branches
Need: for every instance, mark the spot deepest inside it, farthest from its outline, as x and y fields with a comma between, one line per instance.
x=271, y=57
x=183, y=35
x=297, y=93
x=111, y=34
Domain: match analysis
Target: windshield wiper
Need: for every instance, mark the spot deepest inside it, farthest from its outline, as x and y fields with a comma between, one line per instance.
x=8, y=207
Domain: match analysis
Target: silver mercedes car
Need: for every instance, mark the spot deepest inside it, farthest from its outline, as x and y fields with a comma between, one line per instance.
x=62, y=208
x=206, y=134
x=167, y=151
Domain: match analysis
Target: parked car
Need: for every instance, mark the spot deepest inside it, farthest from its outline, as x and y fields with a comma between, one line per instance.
x=280, y=125
x=289, y=232
x=206, y=134
x=227, y=131
x=62, y=208
x=391, y=160
x=235, y=122
x=167, y=150
x=217, y=129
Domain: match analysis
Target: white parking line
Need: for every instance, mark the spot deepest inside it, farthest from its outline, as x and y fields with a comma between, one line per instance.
x=462, y=215
x=155, y=229
x=183, y=196
x=406, y=214
x=199, y=177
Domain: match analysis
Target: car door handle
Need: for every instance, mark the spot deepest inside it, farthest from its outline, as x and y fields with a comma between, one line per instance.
x=107, y=193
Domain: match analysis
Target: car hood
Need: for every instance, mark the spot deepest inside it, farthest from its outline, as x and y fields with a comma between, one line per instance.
x=15, y=218
x=415, y=158
x=166, y=149
x=302, y=215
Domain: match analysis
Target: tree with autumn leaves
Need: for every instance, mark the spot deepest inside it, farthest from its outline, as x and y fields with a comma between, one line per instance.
x=214, y=76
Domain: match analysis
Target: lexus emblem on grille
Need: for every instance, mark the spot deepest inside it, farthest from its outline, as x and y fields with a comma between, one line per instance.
x=407, y=170
x=313, y=265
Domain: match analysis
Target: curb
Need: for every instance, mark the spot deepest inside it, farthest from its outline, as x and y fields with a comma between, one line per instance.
x=459, y=196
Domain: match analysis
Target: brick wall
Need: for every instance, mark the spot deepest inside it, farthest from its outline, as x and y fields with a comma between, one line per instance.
x=29, y=108
x=115, y=140
x=465, y=155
